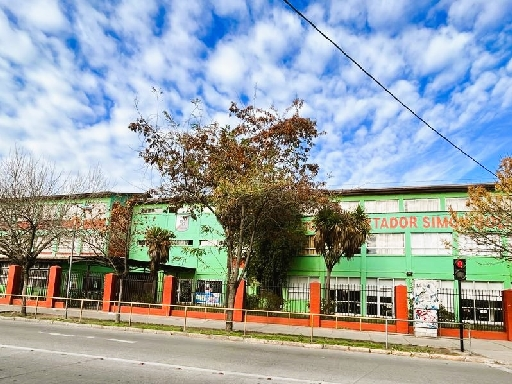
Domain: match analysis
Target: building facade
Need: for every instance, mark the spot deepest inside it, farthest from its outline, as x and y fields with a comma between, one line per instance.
x=411, y=239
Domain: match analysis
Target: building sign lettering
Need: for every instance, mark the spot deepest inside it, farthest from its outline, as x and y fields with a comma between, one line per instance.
x=411, y=222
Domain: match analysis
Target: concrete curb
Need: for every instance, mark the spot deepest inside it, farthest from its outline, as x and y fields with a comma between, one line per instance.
x=346, y=348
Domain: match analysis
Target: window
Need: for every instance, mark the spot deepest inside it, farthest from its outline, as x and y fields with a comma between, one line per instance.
x=346, y=295
x=422, y=205
x=184, y=291
x=379, y=296
x=349, y=205
x=209, y=243
x=468, y=246
x=309, y=248
x=458, y=204
x=141, y=243
x=298, y=287
x=381, y=206
x=431, y=243
x=385, y=244
x=182, y=242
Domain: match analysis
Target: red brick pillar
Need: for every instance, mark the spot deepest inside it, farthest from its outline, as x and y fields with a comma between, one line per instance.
x=168, y=295
x=401, y=309
x=239, y=302
x=109, y=291
x=53, y=286
x=315, y=302
x=13, y=284
x=507, y=313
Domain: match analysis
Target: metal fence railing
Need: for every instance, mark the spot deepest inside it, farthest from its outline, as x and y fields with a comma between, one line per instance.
x=138, y=287
x=4, y=272
x=278, y=297
x=357, y=300
x=83, y=285
x=37, y=283
x=210, y=293
x=481, y=308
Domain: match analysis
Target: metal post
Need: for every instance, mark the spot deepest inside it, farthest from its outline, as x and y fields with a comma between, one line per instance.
x=245, y=321
x=312, y=325
x=386, y=333
x=461, y=326
x=185, y=320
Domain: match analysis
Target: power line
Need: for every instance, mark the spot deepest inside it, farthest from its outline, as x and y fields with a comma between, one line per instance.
x=385, y=89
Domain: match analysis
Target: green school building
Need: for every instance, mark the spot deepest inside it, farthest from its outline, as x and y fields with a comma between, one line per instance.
x=411, y=240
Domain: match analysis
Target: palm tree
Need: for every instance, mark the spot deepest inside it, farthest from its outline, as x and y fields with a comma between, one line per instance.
x=338, y=233
x=158, y=241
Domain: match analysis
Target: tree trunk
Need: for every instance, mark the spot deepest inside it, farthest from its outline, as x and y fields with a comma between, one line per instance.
x=155, y=288
x=119, y=300
x=328, y=310
x=231, y=295
x=23, y=309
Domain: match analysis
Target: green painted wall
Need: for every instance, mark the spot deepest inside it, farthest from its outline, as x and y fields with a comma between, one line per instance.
x=211, y=265
x=364, y=266
x=189, y=251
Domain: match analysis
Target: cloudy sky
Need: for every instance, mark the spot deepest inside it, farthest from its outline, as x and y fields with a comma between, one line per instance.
x=71, y=70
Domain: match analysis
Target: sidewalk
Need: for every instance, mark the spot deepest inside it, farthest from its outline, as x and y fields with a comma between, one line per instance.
x=477, y=350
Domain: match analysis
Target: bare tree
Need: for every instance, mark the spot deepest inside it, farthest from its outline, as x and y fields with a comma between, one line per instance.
x=108, y=239
x=35, y=204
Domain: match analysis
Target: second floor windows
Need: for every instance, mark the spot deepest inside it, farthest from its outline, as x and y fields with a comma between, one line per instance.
x=386, y=244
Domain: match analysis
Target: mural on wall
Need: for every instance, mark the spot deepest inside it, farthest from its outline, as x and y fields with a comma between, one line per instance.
x=425, y=305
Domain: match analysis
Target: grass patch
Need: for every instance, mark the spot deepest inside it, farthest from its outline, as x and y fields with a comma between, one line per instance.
x=255, y=335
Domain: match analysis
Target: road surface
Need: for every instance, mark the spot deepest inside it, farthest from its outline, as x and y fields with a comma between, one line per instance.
x=39, y=352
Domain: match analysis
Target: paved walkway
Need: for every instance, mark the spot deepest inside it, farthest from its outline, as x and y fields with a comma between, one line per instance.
x=488, y=351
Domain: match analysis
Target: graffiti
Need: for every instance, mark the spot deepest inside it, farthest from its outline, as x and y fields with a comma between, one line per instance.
x=426, y=305
x=425, y=318
x=425, y=294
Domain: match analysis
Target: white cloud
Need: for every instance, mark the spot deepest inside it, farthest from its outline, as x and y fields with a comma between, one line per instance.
x=69, y=80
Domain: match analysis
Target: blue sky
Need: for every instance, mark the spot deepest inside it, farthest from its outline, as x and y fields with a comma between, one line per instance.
x=71, y=70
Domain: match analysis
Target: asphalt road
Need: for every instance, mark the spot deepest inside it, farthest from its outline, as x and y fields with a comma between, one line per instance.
x=33, y=352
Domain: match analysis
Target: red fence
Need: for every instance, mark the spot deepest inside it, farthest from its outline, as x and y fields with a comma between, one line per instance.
x=400, y=324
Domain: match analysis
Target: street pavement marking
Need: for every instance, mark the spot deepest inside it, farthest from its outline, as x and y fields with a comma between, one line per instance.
x=57, y=334
x=171, y=366
x=122, y=341
x=500, y=367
